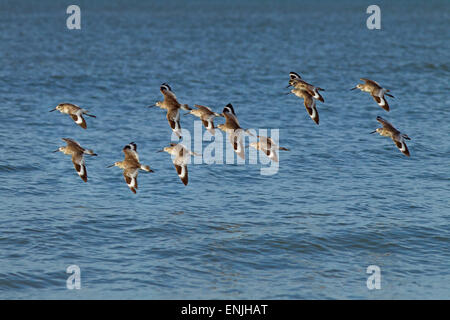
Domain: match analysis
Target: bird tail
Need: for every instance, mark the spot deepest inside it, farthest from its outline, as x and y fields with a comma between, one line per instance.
x=146, y=168
x=406, y=137
x=90, y=152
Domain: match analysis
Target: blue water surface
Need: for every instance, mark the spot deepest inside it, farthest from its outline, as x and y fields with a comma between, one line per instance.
x=342, y=199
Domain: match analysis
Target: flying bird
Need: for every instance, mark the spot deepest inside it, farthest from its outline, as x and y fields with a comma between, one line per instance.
x=206, y=115
x=376, y=91
x=388, y=130
x=75, y=112
x=234, y=130
x=181, y=159
x=297, y=82
x=268, y=146
x=77, y=152
x=131, y=166
x=308, y=101
x=171, y=104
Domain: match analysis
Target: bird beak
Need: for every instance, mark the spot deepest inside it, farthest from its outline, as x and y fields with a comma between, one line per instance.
x=187, y=113
x=288, y=86
x=354, y=88
x=151, y=106
x=52, y=110
x=160, y=151
x=373, y=131
x=111, y=166
x=56, y=150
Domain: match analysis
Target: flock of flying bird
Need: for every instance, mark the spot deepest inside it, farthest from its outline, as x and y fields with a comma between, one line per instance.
x=131, y=164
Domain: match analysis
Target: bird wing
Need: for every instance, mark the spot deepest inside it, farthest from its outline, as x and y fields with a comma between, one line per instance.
x=272, y=154
x=387, y=125
x=79, y=120
x=73, y=144
x=209, y=125
x=268, y=141
x=310, y=105
x=231, y=121
x=73, y=108
x=130, y=176
x=380, y=100
x=294, y=75
x=317, y=95
x=173, y=117
x=370, y=82
x=78, y=163
x=268, y=147
x=180, y=163
x=237, y=142
x=171, y=100
x=205, y=109
x=130, y=154
x=401, y=145
x=182, y=172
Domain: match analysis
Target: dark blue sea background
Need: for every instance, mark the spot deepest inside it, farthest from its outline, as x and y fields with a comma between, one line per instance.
x=342, y=199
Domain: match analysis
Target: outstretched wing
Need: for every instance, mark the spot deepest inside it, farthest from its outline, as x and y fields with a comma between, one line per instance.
x=237, y=142
x=317, y=95
x=381, y=101
x=209, y=125
x=310, y=105
x=294, y=75
x=231, y=121
x=130, y=151
x=182, y=172
x=79, y=120
x=270, y=152
x=374, y=83
x=130, y=176
x=401, y=145
x=206, y=109
x=173, y=117
x=72, y=143
x=78, y=163
x=170, y=99
x=265, y=141
x=386, y=124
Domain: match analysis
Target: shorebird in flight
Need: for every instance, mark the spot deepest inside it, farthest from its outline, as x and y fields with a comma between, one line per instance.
x=388, y=130
x=233, y=128
x=171, y=104
x=297, y=82
x=181, y=159
x=376, y=91
x=268, y=146
x=131, y=166
x=75, y=112
x=77, y=152
x=308, y=101
x=206, y=115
